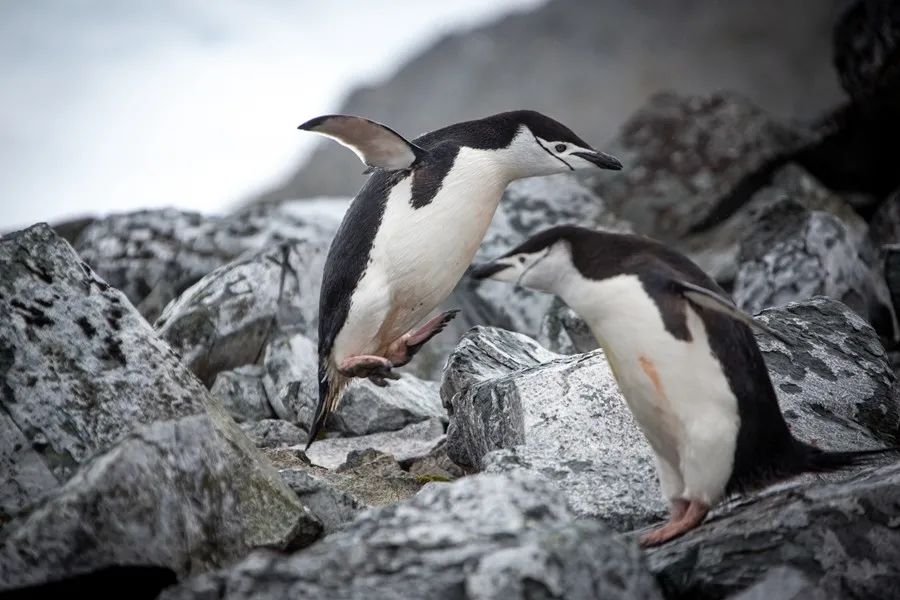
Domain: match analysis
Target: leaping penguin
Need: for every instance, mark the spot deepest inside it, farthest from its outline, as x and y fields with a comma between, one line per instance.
x=414, y=227
x=685, y=360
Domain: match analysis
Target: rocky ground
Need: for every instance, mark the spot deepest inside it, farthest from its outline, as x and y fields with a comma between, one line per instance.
x=157, y=376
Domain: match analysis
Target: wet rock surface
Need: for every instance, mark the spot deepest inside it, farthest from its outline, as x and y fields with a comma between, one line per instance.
x=488, y=536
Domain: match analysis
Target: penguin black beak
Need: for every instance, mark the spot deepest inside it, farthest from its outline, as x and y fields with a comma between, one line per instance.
x=604, y=161
x=485, y=270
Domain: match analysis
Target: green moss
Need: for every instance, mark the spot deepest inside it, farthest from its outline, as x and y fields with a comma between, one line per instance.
x=423, y=479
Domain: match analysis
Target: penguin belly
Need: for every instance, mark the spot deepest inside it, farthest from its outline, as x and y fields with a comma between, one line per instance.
x=417, y=258
x=676, y=389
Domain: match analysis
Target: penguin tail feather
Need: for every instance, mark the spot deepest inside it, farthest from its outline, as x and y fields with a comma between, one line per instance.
x=330, y=387
x=825, y=461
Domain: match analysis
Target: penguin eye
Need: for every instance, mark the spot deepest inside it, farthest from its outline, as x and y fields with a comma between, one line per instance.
x=522, y=260
x=560, y=148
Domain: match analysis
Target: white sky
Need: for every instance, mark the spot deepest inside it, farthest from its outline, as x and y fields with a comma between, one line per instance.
x=111, y=105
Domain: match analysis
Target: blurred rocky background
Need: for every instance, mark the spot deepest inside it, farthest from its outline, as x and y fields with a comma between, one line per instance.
x=158, y=366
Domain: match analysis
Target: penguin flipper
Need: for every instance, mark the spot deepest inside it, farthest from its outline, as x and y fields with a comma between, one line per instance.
x=377, y=145
x=702, y=297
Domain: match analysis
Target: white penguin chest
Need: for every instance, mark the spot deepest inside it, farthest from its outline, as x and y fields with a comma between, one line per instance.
x=421, y=253
x=674, y=388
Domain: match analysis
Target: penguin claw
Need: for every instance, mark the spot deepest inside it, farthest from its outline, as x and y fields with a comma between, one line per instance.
x=376, y=368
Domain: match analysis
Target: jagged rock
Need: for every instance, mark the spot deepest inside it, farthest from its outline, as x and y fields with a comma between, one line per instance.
x=273, y=433
x=82, y=373
x=291, y=378
x=243, y=394
x=154, y=255
x=367, y=408
x=793, y=253
x=514, y=405
x=892, y=272
x=717, y=250
x=411, y=441
x=332, y=506
x=886, y=221
x=484, y=537
x=184, y=494
x=690, y=160
x=834, y=381
x=564, y=332
x=842, y=536
x=227, y=318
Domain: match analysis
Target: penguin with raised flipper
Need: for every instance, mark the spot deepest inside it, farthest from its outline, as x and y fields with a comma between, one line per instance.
x=413, y=229
x=685, y=359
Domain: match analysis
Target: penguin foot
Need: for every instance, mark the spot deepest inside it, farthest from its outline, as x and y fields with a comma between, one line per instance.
x=691, y=516
x=403, y=349
x=376, y=368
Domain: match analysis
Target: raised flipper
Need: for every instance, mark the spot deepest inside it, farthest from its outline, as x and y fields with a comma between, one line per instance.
x=378, y=146
x=700, y=296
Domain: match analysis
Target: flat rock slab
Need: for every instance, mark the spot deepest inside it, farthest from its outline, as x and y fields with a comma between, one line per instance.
x=514, y=405
x=410, y=442
x=482, y=537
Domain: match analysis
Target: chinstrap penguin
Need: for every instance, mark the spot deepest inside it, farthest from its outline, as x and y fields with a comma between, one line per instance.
x=413, y=229
x=685, y=359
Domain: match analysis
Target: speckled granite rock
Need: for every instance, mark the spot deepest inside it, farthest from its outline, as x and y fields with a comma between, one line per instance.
x=841, y=536
x=243, y=394
x=117, y=441
x=514, y=405
x=227, y=318
x=483, y=537
x=834, y=382
x=792, y=254
x=274, y=433
x=411, y=441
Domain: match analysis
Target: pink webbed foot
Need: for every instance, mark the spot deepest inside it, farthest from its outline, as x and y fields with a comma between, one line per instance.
x=690, y=518
x=377, y=368
x=402, y=350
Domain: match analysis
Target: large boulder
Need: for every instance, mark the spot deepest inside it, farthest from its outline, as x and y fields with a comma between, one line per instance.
x=514, y=405
x=842, y=537
x=834, y=380
x=118, y=454
x=793, y=253
x=483, y=537
x=690, y=160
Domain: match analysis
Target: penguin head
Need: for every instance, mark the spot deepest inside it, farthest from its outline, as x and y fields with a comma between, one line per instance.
x=541, y=263
x=543, y=146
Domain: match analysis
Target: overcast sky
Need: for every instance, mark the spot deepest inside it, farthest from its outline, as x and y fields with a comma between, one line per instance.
x=108, y=105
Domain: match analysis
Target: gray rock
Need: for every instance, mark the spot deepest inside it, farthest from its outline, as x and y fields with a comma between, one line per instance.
x=187, y=494
x=291, y=377
x=273, y=433
x=411, y=441
x=514, y=405
x=886, y=221
x=243, y=394
x=717, y=249
x=435, y=466
x=80, y=367
x=227, y=318
x=784, y=583
x=332, y=506
x=154, y=255
x=367, y=408
x=866, y=43
x=834, y=382
x=83, y=373
x=483, y=537
x=686, y=159
x=841, y=536
x=794, y=253
x=892, y=272
x=564, y=332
